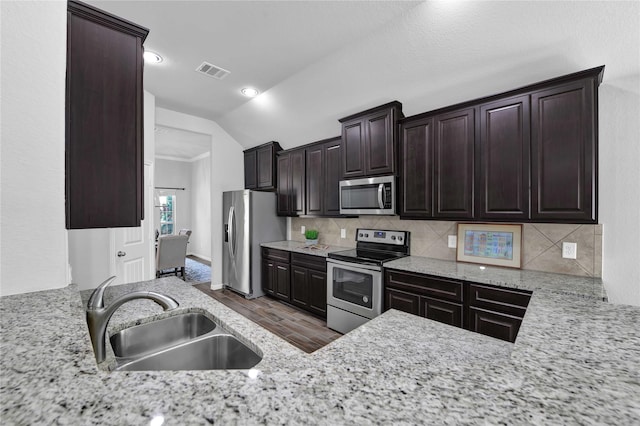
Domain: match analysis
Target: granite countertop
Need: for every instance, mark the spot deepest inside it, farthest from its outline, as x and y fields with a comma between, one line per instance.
x=299, y=247
x=575, y=362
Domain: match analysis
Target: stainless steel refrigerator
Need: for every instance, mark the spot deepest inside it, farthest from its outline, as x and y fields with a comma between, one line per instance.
x=249, y=219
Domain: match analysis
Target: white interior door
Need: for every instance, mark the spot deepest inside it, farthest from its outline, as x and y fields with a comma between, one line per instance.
x=131, y=247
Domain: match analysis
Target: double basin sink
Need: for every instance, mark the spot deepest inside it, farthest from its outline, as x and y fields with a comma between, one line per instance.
x=189, y=341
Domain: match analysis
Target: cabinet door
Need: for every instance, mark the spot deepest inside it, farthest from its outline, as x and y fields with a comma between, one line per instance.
x=268, y=271
x=504, y=160
x=454, y=164
x=282, y=281
x=353, y=140
x=284, y=185
x=104, y=123
x=441, y=311
x=299, y=286
x=298, y=182
x=317, y=282
x=265, y=167
x=563, y=146
x=332, y=175
x=315, y=180
x=402, y=301
x=494, y=324
x=416, y=153
x=250, y=169
x=379, y=143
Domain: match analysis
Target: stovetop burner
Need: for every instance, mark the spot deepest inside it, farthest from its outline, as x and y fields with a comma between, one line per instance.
x=374, y=247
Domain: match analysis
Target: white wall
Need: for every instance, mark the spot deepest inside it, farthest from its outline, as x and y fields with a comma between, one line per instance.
x=200, y=241
x=33, y=239
x=175, y=174
x=620, y=187
x=227, y=173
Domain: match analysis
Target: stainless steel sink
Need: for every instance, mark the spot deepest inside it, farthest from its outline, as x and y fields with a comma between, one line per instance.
x=151, y=337
x=215, y=352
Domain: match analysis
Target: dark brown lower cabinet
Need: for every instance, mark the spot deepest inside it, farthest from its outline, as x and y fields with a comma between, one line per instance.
x=435, y=298
x=297, y=278
x=489, y=310
x=494, y=324
x=442, y=311
x=276, y=280
x=309, y=283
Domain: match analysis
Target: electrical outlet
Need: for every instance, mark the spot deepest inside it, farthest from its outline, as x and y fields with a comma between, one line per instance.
x=569, y=250
x=302, y=230
x=343, y=233
x=452, y=241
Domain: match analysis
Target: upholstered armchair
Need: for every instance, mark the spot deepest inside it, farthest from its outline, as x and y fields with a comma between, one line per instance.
x=171, y=254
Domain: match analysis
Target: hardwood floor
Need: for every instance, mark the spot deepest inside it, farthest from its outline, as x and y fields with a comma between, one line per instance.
x=299, y=328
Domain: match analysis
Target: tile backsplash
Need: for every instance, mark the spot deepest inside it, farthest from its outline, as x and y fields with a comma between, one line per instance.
x=541, y=242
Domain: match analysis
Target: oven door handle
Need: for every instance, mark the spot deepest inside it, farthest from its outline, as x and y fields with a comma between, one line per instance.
x=353, y=266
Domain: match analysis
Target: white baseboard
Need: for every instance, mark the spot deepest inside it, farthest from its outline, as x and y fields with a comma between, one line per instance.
x=201, y=256
x=216, y=286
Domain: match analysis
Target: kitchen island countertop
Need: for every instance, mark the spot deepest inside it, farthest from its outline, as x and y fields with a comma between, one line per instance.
x=575, y=361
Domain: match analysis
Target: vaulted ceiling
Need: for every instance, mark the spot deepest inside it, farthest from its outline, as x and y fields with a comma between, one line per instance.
x=317, y=61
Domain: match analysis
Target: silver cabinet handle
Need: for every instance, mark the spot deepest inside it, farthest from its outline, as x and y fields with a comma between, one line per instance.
x=121, y=254
x=381, y=195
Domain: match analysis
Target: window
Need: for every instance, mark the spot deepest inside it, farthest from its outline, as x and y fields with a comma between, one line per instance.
x=167, y=214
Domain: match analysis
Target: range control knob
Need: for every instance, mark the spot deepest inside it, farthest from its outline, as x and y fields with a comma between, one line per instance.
x=399, y=238
x=393, y=237
x=360, y=234
x=366, y=235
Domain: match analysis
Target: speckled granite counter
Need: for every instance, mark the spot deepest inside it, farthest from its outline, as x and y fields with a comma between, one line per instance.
x=298, y=247
x=575, y=362
x=504, y=277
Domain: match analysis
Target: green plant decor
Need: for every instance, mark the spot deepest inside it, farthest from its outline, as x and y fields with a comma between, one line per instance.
x=312, y=236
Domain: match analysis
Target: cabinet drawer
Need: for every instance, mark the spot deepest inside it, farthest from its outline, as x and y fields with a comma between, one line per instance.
x=512, y=302
x=494, y=324
x=405, y=302
x=441, y=311
x=275, y=254
x=309, y=261
x=424, y=285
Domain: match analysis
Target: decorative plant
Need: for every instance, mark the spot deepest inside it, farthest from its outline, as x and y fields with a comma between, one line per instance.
x=311, y=234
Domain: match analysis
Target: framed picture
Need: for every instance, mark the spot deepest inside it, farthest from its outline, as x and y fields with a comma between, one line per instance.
x=498, y=245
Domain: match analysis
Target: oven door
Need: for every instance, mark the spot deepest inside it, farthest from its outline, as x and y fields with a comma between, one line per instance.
x=354, y=288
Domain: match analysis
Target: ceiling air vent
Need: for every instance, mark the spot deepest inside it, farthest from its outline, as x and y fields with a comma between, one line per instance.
x=212, y=71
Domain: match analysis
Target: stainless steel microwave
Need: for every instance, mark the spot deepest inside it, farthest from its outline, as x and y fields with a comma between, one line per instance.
x=375, y=195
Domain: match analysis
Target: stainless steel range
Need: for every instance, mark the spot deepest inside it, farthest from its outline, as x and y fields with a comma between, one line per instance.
x=354, y=277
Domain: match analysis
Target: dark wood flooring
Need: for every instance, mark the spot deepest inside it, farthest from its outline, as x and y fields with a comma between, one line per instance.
x=299, y=328
x=199, y=259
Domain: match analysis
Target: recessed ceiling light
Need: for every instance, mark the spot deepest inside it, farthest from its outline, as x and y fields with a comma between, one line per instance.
x=152, y=57
x=250, y=92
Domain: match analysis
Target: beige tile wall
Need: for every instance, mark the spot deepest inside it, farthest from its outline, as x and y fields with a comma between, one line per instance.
x=541, y=243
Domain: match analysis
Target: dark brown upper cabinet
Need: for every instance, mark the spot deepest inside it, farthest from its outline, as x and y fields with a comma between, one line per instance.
x=260, y=166
x=291, y=180
x=504, y=160
x=369, y=141
x=416, y=168
x=104, y=174
x=564, y=152
x=454, y=139
x=527, y=155
x=323, y=177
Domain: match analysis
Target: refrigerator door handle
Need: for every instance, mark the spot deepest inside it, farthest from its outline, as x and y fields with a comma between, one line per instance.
x=232, y=234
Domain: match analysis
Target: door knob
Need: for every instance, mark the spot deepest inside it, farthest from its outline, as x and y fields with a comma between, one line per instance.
x=121, y=254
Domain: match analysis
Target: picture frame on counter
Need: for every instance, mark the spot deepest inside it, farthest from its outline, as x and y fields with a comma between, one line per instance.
x=490, y=244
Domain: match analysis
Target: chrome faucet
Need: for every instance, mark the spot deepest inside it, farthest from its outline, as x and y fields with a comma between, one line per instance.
x=98, y=316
